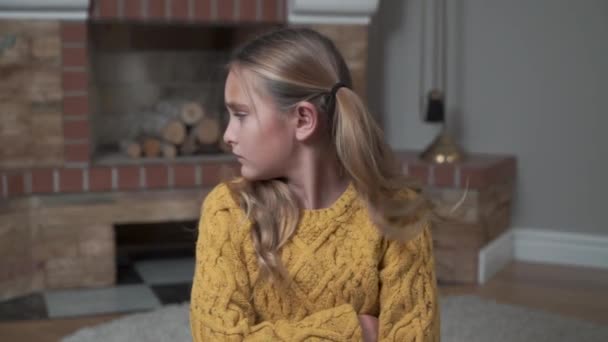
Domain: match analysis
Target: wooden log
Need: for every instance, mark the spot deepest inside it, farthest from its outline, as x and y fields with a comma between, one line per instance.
x=208, y=131
x=131, y=148
x=150, y=123
x=191, y=113
x=168, y=150
x=151, y=147
x=174, y=132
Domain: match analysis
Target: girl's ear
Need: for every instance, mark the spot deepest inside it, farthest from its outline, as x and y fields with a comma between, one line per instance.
x=306, y=120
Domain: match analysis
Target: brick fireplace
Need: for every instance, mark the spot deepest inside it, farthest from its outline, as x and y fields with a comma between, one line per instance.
x=60, y=96
x=59, y=202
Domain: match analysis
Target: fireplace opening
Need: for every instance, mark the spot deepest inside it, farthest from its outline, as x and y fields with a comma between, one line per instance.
x=156, y=240
x=156, y=89
x=156, y=253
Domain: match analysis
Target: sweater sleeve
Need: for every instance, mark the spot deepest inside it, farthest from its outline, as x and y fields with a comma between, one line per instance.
x=409, y=309
x=220, y=309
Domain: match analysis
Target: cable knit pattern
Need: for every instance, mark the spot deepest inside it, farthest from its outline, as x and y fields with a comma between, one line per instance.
x=341, y=268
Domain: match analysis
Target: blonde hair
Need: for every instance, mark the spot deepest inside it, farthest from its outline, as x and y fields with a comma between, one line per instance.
x=296, y=65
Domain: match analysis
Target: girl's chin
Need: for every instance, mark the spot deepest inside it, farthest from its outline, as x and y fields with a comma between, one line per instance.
x=248, y=173
x=251, y=175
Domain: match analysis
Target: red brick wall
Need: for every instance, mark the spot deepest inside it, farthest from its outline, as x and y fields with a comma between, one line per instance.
x=268, y=11
x=85, y=179
x=479, y=171
x=75, y=78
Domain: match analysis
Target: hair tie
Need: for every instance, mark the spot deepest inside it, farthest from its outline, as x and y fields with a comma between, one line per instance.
x=332, y=99
x=335, y=88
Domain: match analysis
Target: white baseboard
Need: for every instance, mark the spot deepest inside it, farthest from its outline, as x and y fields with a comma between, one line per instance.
x=543, y=246
x=496, y=255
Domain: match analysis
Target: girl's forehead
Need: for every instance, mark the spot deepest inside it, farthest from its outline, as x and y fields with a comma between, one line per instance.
x=235, y=86
x=244, y=88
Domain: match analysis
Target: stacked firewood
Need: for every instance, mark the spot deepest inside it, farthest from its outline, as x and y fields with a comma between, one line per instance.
x=174, y=128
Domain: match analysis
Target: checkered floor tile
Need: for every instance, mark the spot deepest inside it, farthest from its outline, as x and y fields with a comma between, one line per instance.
x=141, y=285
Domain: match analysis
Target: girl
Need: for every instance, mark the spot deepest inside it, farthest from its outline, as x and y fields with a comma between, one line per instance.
x=322, y=237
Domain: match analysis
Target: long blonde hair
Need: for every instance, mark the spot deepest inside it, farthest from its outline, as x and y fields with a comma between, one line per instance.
x=300, y=64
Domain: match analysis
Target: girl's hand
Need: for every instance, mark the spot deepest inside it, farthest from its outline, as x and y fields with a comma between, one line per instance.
x=369, y=325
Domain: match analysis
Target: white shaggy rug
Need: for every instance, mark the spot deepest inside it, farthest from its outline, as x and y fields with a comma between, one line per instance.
x=463, y=318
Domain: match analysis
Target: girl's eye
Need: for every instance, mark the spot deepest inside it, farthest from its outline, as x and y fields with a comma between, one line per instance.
x=239, y=116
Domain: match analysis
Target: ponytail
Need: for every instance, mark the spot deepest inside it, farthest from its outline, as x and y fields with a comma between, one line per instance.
x=375, y=171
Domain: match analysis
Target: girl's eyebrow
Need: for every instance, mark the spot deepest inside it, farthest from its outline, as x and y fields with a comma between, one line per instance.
x=236, y=106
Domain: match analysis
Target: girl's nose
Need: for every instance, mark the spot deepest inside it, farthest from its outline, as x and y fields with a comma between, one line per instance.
x=229, y=136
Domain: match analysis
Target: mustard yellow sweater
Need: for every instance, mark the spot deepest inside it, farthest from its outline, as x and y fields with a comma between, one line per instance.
x=341, y=268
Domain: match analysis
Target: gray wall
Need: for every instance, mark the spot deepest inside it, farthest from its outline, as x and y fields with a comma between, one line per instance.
x=529, y=78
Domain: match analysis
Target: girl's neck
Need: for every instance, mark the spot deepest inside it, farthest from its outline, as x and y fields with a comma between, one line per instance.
x=317, y=181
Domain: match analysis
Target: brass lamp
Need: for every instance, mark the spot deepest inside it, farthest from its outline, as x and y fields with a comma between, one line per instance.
x=443, y=149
